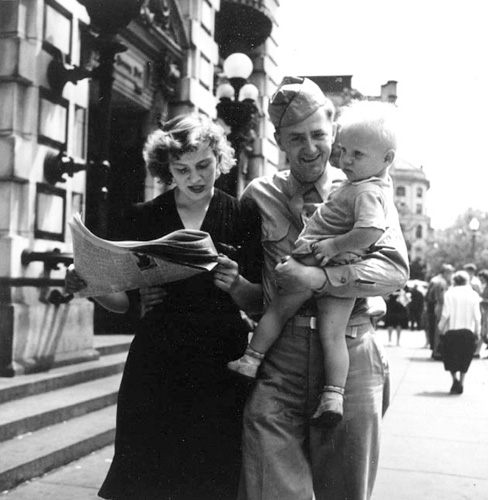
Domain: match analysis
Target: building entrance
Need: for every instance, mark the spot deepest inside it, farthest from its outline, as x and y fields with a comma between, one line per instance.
x=124, y=186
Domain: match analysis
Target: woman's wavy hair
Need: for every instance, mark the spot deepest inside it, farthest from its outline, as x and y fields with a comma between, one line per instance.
x=185, y=134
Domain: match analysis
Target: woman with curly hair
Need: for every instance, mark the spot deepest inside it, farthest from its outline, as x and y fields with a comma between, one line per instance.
x=179, y=409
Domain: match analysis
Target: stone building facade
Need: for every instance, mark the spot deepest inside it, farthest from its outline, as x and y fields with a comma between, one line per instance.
x=82, y=82
x=410, y=185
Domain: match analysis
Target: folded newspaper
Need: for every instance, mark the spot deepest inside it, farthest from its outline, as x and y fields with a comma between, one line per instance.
x=115, y=266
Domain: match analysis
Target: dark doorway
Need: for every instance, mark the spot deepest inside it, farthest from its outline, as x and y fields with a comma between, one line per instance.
x=126, y=183
x=125, y=186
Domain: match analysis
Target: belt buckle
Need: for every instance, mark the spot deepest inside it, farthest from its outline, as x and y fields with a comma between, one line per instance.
x=352, y=332
x=313, y=322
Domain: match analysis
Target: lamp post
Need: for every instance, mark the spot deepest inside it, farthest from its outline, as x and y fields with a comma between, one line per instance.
x=474, y=226
x=237, y=108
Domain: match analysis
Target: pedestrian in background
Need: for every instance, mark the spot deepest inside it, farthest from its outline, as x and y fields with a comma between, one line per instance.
x=460, y=326
x=475, y=283
x=434, y=300
x=415, y=308
x=474, y=280
x=396, y=317
x=483, y=276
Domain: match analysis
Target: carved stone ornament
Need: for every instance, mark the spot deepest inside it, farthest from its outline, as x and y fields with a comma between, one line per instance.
x=169, y=75
x=156, y=13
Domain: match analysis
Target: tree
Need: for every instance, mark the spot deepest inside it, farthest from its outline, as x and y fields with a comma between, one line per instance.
x=458, y=244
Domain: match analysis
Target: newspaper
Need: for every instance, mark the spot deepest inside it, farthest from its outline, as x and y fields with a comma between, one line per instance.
x=115, y=266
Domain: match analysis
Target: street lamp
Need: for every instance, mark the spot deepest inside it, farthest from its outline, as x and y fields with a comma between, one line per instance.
x=237, y=108
x=474, y=226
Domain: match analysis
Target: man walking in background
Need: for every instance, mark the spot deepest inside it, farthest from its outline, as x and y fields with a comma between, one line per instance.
x=434, y=301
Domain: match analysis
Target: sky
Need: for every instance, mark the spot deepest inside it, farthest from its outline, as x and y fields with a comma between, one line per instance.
x=437, y=51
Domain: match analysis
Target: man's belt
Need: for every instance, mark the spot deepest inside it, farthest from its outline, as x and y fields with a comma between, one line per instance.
x=305, y=321
x=311, y=322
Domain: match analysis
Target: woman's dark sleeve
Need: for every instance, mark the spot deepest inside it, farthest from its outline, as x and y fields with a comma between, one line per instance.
x=251, y=259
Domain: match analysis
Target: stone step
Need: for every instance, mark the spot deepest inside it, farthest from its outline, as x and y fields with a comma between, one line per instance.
x=112, y=344
x=111, y=362
x=31, y=413
x=58, y=378
x=33, y=454
x=50, y=419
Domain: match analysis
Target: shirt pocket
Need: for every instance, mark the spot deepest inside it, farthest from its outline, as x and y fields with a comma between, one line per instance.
x=275, y=228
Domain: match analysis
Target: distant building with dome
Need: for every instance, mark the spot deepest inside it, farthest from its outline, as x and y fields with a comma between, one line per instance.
x=410, y=186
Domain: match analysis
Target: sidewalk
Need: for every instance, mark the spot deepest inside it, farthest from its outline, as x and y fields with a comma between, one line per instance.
x=434, y=446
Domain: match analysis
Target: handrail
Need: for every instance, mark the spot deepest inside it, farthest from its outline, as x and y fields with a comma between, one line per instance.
x=51, y=259
x=55, y=296
x=35, y=282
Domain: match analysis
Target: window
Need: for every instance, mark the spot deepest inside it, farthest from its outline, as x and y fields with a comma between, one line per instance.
x=53, y=120
x=79, y=140
x=50, y=213
x=57, y=30
x=420, y=192
x=401, y=191
x=419, y=232
x=418, y=209
x=208, y=16
x=206, y=72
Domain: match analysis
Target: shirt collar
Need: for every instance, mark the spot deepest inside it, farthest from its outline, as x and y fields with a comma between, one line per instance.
x=382, y=178
x=323, y=184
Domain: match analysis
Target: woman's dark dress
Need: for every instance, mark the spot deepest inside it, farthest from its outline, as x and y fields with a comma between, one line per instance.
x=458, y=347
x=179, y=408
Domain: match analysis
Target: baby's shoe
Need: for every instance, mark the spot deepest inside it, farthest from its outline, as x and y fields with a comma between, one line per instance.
x=248, y=364
x=330, y=410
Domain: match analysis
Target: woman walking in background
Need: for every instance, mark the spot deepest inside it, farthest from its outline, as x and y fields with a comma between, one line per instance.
x=396, y=316
x=459, y=327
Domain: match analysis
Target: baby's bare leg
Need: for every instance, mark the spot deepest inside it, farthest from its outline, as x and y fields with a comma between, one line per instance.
x=281, y=309
x=333, y=315
x=268, y=330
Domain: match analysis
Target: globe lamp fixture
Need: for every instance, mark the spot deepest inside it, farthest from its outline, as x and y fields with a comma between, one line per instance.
x=238, y=68
x=237, y=107
x=474, y=225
